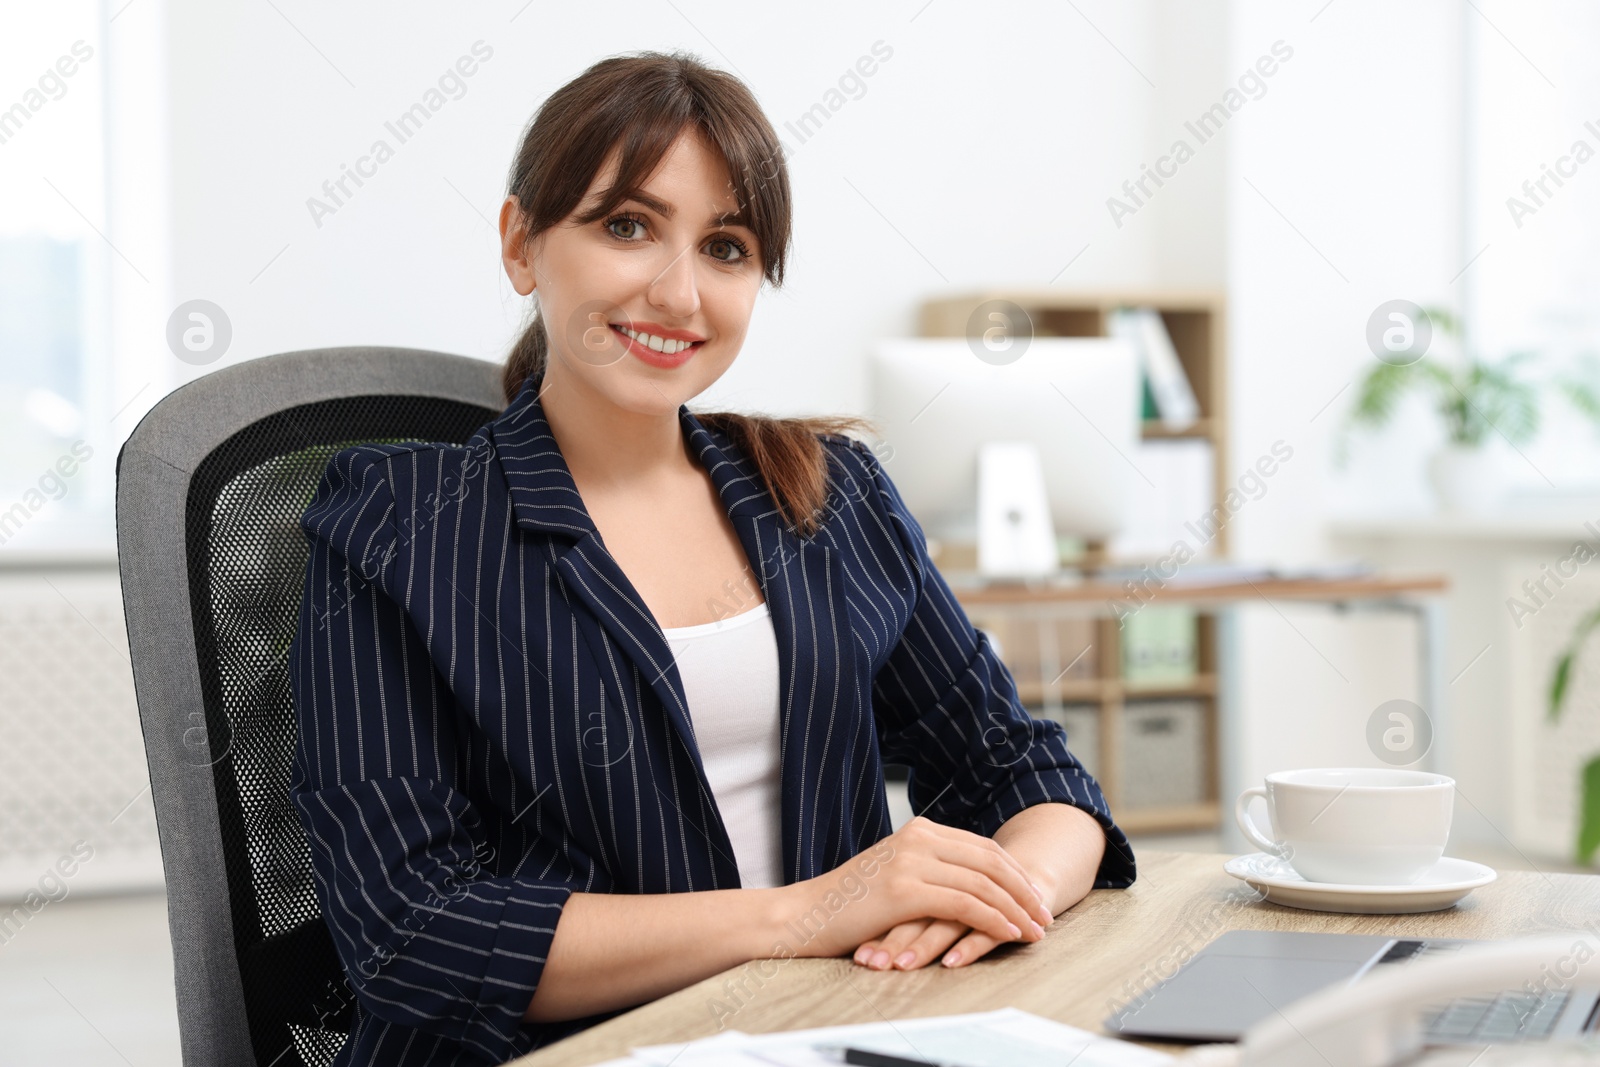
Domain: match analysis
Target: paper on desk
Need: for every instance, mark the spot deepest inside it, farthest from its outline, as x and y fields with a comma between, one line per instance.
x=661, y=1055
x=673, y=1052
x=1008, y=1037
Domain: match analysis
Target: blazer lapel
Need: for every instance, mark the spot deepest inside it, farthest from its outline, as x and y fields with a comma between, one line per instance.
x=800, y=580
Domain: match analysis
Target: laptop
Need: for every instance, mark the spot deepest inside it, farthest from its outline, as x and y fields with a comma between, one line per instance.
x=1244, y=976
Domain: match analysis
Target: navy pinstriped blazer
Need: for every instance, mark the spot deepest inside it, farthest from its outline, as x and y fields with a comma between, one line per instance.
x=491, y=719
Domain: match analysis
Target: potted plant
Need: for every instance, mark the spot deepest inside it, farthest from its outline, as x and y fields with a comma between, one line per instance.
x=1476, y=400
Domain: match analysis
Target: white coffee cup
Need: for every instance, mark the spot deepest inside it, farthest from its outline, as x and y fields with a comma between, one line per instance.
x=1355, y=825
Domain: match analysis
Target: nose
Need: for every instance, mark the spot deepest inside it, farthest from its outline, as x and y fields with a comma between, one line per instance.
x=675, y=290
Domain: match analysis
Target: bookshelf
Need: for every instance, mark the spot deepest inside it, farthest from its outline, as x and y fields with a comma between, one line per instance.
x=1153, y=747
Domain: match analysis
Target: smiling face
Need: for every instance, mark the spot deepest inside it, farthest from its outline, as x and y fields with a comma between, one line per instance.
x=672, y=267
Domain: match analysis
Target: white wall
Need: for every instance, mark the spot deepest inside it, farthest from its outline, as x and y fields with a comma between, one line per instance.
x=982, y=152
x=1344, y=192
x=989, y=141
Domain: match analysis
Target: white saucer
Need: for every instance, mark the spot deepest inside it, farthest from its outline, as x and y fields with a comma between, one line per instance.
x=1441, y=887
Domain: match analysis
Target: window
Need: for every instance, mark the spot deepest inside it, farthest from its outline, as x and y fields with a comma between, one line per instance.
x=81, y=261
x=1533, y=210
x=53, y=270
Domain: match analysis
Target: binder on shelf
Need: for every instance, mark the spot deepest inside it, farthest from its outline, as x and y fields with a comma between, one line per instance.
x=1148, y=411
x=1159, y=646
x=1169, y=388
x=1174, y=504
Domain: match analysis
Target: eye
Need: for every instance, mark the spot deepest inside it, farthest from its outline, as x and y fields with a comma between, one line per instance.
x=730, y=241
x=627, y=217
x=721, y=242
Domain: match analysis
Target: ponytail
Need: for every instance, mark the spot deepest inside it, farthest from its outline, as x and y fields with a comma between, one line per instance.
x=527, y=358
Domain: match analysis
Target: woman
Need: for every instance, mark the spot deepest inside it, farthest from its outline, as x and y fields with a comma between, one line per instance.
x=597, y=705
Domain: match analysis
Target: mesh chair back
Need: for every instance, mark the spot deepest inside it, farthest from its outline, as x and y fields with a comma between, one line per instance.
x=213, y=603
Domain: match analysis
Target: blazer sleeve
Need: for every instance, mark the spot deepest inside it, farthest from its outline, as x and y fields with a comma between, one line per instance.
x=947, y=707
x=428, y=938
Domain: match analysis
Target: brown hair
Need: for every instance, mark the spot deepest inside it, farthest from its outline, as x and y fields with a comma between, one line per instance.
x=642, y=102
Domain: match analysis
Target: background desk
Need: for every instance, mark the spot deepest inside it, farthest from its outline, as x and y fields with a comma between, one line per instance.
x=1045, y=688
x=1095, y=957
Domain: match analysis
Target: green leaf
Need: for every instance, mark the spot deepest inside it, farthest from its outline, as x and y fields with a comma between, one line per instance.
x=1379, y=392
x=1582, y=396
x=1558, y=684
x=1563, y=671
x=1488, y=397
x=1589, y=813
x=1444, y=319
x=1474, y=399
x=1581, y=387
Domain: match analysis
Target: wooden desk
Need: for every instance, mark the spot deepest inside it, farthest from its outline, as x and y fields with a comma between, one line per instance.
x=1094, y=958
x=970, y=590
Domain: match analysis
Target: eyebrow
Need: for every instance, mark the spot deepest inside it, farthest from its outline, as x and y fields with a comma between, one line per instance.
x=666, y=211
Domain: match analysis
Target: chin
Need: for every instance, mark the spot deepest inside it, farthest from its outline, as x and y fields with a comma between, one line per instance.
x=646, y=396
x=634, y=386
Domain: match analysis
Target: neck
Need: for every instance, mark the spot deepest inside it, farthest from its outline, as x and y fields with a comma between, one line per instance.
x=609, y=446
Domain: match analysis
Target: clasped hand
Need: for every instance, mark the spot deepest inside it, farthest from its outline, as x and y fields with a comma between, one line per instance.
x=926, y=892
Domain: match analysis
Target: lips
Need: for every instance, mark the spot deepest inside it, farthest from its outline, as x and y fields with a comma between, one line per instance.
x=656, y=359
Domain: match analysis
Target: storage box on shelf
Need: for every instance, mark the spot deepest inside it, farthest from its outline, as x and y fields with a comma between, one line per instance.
x=1149, y=739
x=1163, y=754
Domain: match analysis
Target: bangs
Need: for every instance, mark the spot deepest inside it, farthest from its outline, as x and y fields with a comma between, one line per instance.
x=642, y=119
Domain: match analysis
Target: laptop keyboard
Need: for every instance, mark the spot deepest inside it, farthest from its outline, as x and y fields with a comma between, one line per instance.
x=1488, y=1020
x=1496, y=1020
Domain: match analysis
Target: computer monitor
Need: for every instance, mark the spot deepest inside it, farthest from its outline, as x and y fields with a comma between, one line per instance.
x=1059, y=423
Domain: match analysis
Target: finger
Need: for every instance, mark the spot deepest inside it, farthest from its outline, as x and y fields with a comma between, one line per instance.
x=985, y=889
x=1035, y=902
x=986, y=854
x=1017, y=880
x=895, y=941
x=969, y=949
x=1002, y=869
x=863, y=955
x=977, y=866
x=965, y=904
x=939, y=935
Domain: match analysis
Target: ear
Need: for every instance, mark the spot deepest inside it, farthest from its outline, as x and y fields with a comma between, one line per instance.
x=514, y=246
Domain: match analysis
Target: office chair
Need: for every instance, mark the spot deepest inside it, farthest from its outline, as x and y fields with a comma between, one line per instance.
x=210, y=489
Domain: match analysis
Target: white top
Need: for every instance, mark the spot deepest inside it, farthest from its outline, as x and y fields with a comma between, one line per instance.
x=730, y=676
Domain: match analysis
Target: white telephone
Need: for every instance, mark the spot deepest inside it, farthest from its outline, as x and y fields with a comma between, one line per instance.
x=1377, y=1021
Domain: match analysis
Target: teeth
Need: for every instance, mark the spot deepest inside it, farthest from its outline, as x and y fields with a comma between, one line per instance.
x=659, y=344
